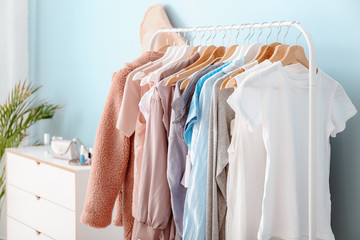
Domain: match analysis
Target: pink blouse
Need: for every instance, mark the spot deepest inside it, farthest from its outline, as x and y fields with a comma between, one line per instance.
x=131, y=120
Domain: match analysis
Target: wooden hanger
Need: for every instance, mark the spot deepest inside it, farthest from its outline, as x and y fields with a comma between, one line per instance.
x=201, y=49
x=194, y=50
x=163, y=48
x=231, y=83
x=205, y=56
x=186, y=81
x=268, y=52
x=229, y=52
x=240, y=70
x=295, y=54
x=251, y=52
x=265, y=52
x=203, y=61
x=236, y=72
x=279, y=53
x=236, y=53
x=259, y=53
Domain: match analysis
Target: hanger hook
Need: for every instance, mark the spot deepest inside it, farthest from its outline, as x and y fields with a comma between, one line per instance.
x=208, y=29
x=287, y=30
x=267, y=38
x=271, y=26
x=184, y=35
x=248, y=34
x=225, y=33
x=253, y=32
x=167, y=39
x=202, y=36
x=211, y=33
x=237, y=35
x=260, y=31
x=177, y=35
x=279, y=26
x=215, y=33
x=190, y=37
x=195, y=36
x=218, y=28
x=231, y=32
x=181, y=35
x=211, y=36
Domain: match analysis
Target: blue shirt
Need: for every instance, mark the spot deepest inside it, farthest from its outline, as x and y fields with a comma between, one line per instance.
x=194, y=105
x=196, y=136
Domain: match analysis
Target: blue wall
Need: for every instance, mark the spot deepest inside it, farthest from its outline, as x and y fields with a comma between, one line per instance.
x=75, y=46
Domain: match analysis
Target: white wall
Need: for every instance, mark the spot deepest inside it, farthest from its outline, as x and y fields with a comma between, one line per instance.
x=13, y=44
x=14, y=56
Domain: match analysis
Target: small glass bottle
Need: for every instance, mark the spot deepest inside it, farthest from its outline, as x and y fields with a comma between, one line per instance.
x=90, y=156
x=47, y=151
x=46, y=139
x=82, y=154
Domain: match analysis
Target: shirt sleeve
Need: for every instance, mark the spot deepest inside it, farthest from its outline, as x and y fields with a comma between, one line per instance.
x=109, y=165
x=342, y=110
x=247, y=99
x=128, y=113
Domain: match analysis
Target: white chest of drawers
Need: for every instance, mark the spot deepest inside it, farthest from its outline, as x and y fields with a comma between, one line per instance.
x=45, y=197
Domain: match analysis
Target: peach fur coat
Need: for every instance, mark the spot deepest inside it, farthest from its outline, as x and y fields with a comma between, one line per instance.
x=112, y=172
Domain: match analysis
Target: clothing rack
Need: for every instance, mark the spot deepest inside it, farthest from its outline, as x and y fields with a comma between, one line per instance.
x=312, y=74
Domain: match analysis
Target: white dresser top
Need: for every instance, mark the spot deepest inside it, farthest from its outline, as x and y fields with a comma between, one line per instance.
x=43, y=154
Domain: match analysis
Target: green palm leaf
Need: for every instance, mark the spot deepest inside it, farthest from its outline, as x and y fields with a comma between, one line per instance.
x=21, y=111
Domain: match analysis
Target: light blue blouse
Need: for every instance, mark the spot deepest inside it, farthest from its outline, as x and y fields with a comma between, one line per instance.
x=196, y=137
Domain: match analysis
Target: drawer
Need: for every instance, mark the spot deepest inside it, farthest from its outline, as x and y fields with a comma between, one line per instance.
x=17, y=231
x=49, y=182
x=38, y=213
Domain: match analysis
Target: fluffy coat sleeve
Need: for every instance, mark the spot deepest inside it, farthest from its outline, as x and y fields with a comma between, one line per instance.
x=111, y=175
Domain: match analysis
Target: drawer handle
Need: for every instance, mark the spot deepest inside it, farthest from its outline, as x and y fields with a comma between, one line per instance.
x=37, y=163
x=37, y=232
x=37, y=197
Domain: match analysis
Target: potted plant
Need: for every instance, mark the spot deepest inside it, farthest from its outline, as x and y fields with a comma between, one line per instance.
x=21, y=111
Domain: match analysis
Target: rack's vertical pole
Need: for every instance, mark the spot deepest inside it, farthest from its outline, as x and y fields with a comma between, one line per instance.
x=312, y=136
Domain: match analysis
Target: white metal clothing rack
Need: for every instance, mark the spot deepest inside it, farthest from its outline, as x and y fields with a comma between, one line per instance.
x=312, y=74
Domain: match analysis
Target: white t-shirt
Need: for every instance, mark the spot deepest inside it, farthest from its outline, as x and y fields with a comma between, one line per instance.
x=246, y=173
x=275, y=99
